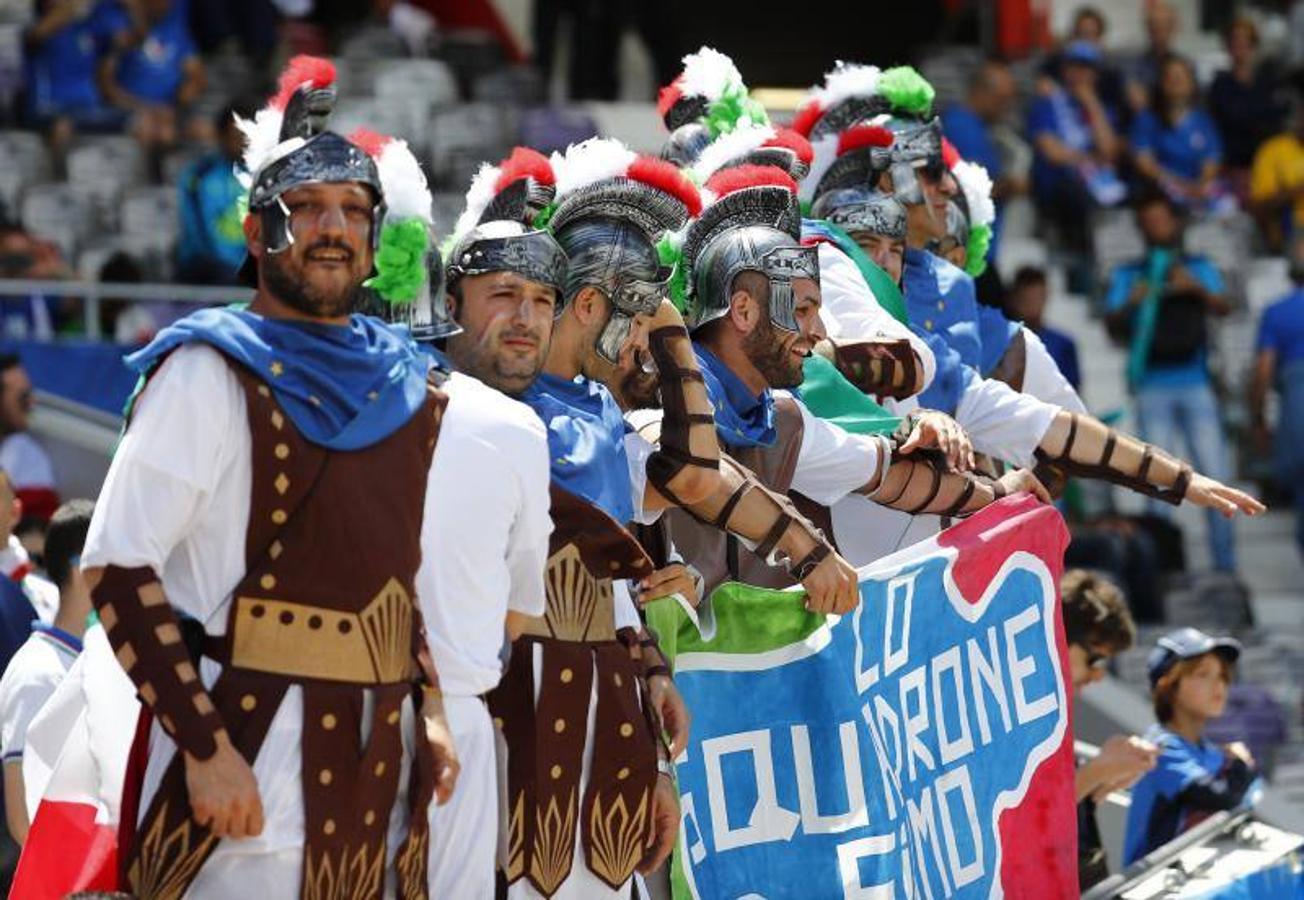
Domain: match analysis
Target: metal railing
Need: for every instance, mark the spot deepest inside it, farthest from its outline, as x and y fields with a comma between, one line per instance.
x=94, y=292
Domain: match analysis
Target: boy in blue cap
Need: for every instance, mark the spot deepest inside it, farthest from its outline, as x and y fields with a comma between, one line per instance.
x=1189, y=674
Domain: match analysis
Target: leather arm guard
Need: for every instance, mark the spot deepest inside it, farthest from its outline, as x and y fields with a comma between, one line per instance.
x=645, y=653
x=1013, y=364
x=653, y=661
x=881, y=368
x=146, y=637
x=765, y=521
x=924, y=484
x=1082, y=446
x=687, y=424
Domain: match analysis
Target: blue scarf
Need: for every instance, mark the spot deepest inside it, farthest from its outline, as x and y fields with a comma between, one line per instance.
x=742, y=419
x=345, y=387
x=586, y=441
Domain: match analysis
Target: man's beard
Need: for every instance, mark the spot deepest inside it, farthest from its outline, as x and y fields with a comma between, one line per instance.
x=292, y=289
x=479, y=360
x=638, y=388
x=772, y=358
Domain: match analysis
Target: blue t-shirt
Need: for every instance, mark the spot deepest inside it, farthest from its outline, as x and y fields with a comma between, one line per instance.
x=971, y=137
x=153, y=69
x=1157, y=814
x=1281, y=329
x=61, y=70
x=1182, y=149
x=940, y=298
x=1187, y=374
x=1061, y=116
x=212, y=214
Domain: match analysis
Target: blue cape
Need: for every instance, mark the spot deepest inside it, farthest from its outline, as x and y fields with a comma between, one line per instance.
x=345, y=387
x=586, y=441
x=742, y=419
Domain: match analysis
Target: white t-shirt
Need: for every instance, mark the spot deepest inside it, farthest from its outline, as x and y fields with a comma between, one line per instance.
x=850, y=310
x=26, y=462
x=485, y=532
x=29, y=680
x=832, y=461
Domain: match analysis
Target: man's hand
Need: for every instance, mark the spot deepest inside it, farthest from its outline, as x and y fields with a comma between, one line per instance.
x=832, y=586
x=440, y=737
x=1022, y=481
x=672, y=579
x=1204, y=491
x=1121, y=761
x=224, y=793
x=666, y=314
x=937, y=429
x=665, y=824
x=1181, y=279
x=670, y=706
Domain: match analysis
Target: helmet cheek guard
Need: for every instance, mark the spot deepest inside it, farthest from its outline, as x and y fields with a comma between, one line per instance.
x=781, y=266
x=630, y=299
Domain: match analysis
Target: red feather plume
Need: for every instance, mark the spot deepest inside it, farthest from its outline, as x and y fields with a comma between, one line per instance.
x=791, y=140
x=736, y=178
x=369, y=141
x=806, y=117
x=669, y=95
x=301, y=70
x=524, y=163
x=950, y=155
x=669, y=178
x=860, y=136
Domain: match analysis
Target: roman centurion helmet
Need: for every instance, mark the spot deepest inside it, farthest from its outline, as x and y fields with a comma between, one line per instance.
x=287, y=145
x=752, y=224
x=863, y=210
x=497, y=232
x=612, y=208
x=706, y=100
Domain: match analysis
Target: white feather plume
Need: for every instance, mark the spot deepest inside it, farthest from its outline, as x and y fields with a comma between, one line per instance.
x=826, y=151
x=477, y=198
x=977, y=186
x=407, y=195
x=588, y=162
x=262, y=138
x=846, y=80
x=747, y=137
x=707, y=73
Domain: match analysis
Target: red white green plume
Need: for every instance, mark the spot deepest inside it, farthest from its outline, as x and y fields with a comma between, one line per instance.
x=711, y=78
x=263, y=142
x=976, y=185
x=401, y=269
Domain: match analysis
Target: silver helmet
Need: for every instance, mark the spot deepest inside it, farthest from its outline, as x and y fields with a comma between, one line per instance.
x=860, y=209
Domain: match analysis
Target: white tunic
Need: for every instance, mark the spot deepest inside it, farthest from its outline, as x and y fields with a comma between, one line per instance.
x=177, y=498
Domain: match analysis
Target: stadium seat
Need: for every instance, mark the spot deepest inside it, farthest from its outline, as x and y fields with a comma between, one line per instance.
x=461, y=137
x=25, y=152
x=101, y=167
x=58, y=213
x=520, y=85
x=150, y=212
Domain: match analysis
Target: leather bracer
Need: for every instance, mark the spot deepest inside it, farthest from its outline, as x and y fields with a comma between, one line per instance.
x=145, y=635
x=1085, y=447
x=923, y=483
x=881, y=368
x=765, y=521
x=687, y=424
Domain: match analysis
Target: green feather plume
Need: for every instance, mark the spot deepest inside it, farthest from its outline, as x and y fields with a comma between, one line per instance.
x=975, y=252
x=544, y=217
x=401, y=261
x=671, y=254
x=734, y=107
x=907, y=90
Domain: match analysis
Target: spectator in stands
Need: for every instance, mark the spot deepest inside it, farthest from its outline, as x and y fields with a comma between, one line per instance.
x=1089, y=25
x=1026, y=302
x=22, y=255
x=1175, y=143
x=1279, y=364
x=63, y=45
x=1097, y=627
x=1076, y=145
x=1189, y=674
x=40, y=664
x=1160, y=305
x=1246, y=102
x=211, y=245
x=130, y=322
x=17, y=563
x=153, y=69
x=21, y=455
x=1143, y=70
x=1277, y=179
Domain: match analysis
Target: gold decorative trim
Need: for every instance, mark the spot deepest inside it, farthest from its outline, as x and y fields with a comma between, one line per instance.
x=514, y=866
x=164, y=866
x=616, y=838
x=554, y=844
x=347, y=874
x=580, y=607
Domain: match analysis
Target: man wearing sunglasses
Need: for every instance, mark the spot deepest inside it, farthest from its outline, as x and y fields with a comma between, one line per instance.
x=1098, y=626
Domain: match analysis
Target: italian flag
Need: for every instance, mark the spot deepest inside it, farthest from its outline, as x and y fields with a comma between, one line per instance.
x=74, y=767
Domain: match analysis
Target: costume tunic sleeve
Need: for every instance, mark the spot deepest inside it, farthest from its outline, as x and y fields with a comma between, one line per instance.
x=832, y=462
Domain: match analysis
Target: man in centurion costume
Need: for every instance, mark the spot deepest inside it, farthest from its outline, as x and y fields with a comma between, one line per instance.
x=287, y=668
x=753, y=295
x=1003, y=423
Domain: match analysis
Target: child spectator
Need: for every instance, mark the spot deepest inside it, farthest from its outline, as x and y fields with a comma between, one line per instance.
x=1189, y=674
x=39, y=666
x=212, y=241
x=1026, y=303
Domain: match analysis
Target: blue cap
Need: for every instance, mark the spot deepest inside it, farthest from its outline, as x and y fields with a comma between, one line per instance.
x=1187, y=643
x=1083, y=52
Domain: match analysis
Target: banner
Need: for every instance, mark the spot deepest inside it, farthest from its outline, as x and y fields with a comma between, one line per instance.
x=918, y=747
